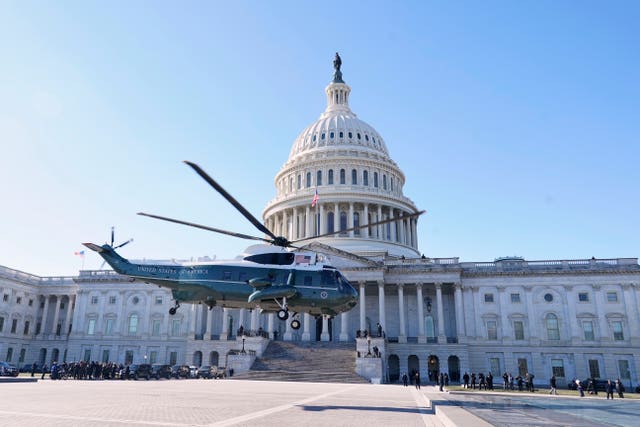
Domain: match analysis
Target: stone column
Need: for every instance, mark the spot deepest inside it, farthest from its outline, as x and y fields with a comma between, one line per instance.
x=224, y=333
x=380, y=228
x=323, y=220
x=532, y=321
x=572, y=319
x=67, y=317
x=393, y=225
x=324, y=336
x=460, y=328
x=254, y=320
x=295, y=219
x=344, y=327
x=56, y=315
x=350, y=219
x=307, y=228
x=270, y=322
x=381, y=306
x=363, y=317
x=421, y=336
x=285, y=228
x=192, y=321
x=45, y=312
x=365, y=231
x=208, y=316
x=306, y=331
x=401, y=226
x=414, y=232
x=288, y=332
x=402, y=337
x=241, y=318
x=442, y=339
x=336, y=217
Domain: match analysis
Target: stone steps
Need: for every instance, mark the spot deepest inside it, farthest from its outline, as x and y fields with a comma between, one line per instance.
x=305, y=362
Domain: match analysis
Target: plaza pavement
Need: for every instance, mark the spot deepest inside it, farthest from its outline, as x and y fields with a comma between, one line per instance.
x=263, y=403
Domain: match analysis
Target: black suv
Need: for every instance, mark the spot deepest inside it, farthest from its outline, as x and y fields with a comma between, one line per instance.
x=180, y=371
x=8, y=370
x=161, y=371
x=140, y=371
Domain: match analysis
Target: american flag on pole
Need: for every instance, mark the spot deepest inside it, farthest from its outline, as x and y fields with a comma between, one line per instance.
x=81, y=253
x=315, y=199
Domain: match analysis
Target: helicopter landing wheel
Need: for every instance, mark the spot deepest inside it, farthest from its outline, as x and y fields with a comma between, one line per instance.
x=172, y=311
x=295, y=324
x=283, y=314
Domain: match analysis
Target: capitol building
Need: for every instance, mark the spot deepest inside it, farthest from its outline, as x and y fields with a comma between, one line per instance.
x=573, y=318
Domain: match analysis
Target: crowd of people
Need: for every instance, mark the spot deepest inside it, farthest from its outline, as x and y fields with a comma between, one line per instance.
x=81, y=370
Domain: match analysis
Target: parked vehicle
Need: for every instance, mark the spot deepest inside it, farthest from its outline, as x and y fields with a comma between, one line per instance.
x=140, y=371
x=161, y=371
x=180, y=371
x=193, y=372
x=211, y=372
x=8, y=370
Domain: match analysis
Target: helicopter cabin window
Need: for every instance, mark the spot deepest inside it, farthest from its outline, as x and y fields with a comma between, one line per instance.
x=319, y=178
x=308, y=280
x=375, y=179
x=308, y=181
x=343, y=178
x=365, y=178
x=242, y=276
x=330, y=178
x=299, y=181
x=354, y=177
x=226, y=275
x=272, y=258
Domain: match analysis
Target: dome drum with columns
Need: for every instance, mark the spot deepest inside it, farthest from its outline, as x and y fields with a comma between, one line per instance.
x=347, y=162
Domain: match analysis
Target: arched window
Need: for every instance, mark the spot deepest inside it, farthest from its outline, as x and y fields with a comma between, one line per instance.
x=308, y=181
x=290, y=185
x=384, y=182
x=356, y=223
x=343, y=222
x=553, y=331
x=319, y=178
x=330, y=223
x=375, y=179
x=133, y=324
x=365, y=178
x=341, y=134
x=343, y=178
x=354, y=177
x=299, y=182
x=391, y=179
x=330, y=177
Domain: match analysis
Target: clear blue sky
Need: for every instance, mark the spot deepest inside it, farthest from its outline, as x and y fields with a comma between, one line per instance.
x=516, y=123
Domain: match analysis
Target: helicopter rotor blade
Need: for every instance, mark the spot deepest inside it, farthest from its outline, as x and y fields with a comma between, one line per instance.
x=204, y=227
x=231, y=200
x=123, y=244
x=373, y=224
x=112, y=235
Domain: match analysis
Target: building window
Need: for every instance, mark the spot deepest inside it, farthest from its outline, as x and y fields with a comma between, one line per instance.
x=492, y=330
x=515, y=298
x=343, y=223
x=108, y=328
x=587, y=327
x=175, y=327
x=153, y=355
x=623, y=369
x=299, y=182
x=173, y=358
x=494, y=364
x=384, y=182
x=488, y=297
x=612, y=296
x=14, y=326
x=354, y=177
x=594, y=368
x=356, y=223
x=133, y=324
x=548, y=297
x=350, y=135
x=522, y=367
x=155, y=328
x=618, y=334
x=1, y=323
x=343, y=176
x=553, y=331
x=391, y=182
x=322, y=136
x=31, y=303
x=26, y=327
x=128, y=357
x=331, y=134
x=158, y=300
x=375, y=179
x=583, y=297
x=112, y=299
x=91, y=327
x=330, y=223
x=19, y=300
x=5, y=297
x=330, y=178
x=94, y=300
x=341, y=134
x=318, y=178
x=308, y=180
x=557, y=367
x=518, y=329
x=9, y=354
x=105, y=356
x=365, y=178
x=23, y=354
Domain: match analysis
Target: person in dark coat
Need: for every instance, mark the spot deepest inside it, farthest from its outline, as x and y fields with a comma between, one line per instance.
x=417, y=379
x=620, y=388
x=608, y=388
x=405, y=379
x=465, y=379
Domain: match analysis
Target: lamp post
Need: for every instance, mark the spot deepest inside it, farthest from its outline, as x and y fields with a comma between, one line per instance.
x=428, y=301
x=243, y=338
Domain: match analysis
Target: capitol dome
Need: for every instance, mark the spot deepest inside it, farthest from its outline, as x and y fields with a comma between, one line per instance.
x=345, y=161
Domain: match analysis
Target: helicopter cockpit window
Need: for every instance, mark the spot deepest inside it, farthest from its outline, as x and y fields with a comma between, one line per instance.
x=272, y=258
x=329, y=277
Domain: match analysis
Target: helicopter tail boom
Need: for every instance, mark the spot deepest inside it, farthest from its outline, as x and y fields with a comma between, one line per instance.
x=117, y=262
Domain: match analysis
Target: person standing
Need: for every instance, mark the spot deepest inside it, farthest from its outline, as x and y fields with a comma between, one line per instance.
x=417, y=378
x=608, y=388
x=620, y=388
x=465, y=378
x=44, y=371
x=33, y=368
x=405, y=379
x=552, y=383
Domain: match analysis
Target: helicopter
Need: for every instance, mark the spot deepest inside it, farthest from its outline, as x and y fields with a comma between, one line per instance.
x=275, y=276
